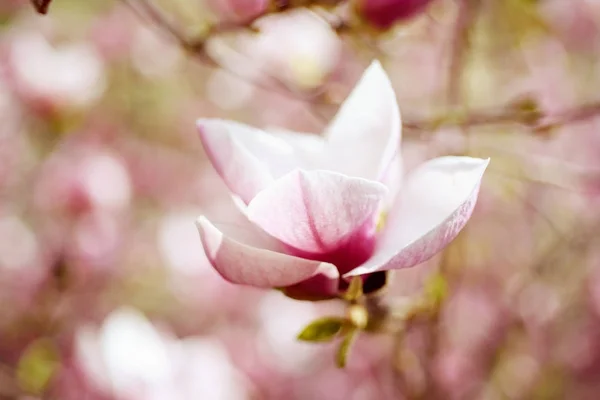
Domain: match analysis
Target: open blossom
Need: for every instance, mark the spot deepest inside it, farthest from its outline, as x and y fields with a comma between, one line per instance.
x=313, y=209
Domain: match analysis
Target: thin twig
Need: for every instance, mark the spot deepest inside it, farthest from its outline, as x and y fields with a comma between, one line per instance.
x=506, y=115
x=149, y=11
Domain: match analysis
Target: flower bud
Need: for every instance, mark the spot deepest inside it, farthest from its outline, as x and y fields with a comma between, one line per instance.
x=382, y=14
x=238, y=10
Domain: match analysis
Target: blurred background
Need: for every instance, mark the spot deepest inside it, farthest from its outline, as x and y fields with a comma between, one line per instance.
x=105, y=292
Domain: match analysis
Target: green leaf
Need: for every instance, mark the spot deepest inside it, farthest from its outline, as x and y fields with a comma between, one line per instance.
x=344, y=349
x=355, y=289
x=322, y=330
x=436, y=288
x=37, y=366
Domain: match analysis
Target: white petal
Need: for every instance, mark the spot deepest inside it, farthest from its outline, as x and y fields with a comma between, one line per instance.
x=365, y=134
x=316, y=211
x=246, y=158
x=433, y=207
x=244, y=264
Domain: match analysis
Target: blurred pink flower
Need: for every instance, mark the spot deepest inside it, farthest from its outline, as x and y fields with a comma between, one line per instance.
x=238, y=10
x=132, y=360
x=383, y=14
x=298, y=48
x=22, y=266
x=81, y=178
x=471, y=302
x=70, y=76
x=311, y=208
x=457, y=373
x=113, y=33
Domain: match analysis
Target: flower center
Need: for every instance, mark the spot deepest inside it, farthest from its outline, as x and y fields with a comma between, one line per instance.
x=354, y=251
x=381, y=220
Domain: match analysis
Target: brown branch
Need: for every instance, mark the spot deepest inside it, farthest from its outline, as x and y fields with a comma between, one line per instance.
x=147, y=10
x=507, y=115
x=196, y=46
x=530, y=117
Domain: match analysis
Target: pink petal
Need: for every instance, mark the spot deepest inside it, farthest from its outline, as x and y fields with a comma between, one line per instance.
x=316, y=211
x=245, y=264
x=231, y=219
x=365, y=134
x=247, y=159
x=434, y=205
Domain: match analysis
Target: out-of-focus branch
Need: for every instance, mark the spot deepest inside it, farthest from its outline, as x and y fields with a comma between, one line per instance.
x=508, y=114
x=146, y=9
x=149, y=10
x=465, y=20
x=533, y=119
x=196, y=46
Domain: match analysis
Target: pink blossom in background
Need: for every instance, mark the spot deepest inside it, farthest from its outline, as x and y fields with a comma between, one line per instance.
x=132, y=360
x=146, y=43
x=382, y=14
x=298, y=48
x=238, y=10
x=88, y=179
x=70, y=76
x=310, y=208
x=112, y=34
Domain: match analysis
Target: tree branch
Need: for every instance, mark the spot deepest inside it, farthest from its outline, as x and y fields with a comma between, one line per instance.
x=532, y=119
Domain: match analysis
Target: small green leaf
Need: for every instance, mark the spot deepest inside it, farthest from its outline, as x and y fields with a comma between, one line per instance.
x=37, y=366
x=322, y=330
x=355, y=289
x=344, y=349
x=436, y=288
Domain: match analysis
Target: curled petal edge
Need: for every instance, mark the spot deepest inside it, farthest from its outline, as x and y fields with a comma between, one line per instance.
x=426, y=246
x=247, y=265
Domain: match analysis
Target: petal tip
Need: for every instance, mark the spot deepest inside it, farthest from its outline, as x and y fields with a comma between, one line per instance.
x=202, y=123
x=210, y=236
x=328, y=270
x=375, y=65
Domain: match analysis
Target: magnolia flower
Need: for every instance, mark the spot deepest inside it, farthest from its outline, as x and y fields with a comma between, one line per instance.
x=313, y=209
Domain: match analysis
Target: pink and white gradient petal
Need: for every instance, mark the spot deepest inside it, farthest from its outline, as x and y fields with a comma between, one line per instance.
x=246, y=158
x=434, y=205
x=316, y=211
x=365, y=135
x=245, y=264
